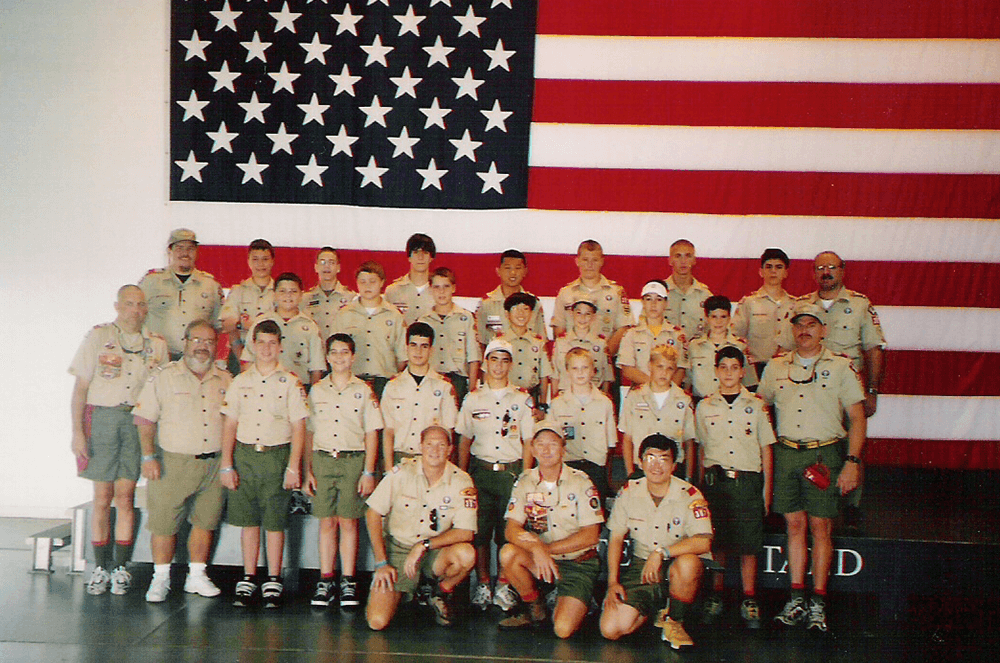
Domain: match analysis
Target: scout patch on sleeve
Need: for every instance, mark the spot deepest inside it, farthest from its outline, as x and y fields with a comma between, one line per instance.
x=592, y=492
x=469, y=498
x=699, y=509
x=874, y=315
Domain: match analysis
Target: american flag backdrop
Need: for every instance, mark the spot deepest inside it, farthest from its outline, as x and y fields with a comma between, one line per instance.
x=862, y=126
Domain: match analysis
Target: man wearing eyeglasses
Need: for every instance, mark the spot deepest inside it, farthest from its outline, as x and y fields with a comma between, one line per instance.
x=811, y=390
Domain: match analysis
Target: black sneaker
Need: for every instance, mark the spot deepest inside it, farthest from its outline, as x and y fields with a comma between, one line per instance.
x=323, y=595
x=244, y=593
x=271, y=591
x=348, y=593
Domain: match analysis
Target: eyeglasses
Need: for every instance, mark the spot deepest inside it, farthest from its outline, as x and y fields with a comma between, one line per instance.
x=812, y=374
x=827, y=268
x=657, y=459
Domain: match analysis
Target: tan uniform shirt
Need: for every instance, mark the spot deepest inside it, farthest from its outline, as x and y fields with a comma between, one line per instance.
x=639, y=341
x=265, y=407
x=418, y=510
x=409, y=408
x=499, y=423
x=323, y=306
x=455, y=344
x=245, y=302
x=758, y=319
x=116, y=375
x=379, y=338
x=172, y=304
x=640, y=417
x=733, y=435
x=186, y=409
x=301, y=347
x=612, y=302
x=810, y=403
x=411, y=301
x=557, y=513
x=531, y=361
x=491, y=318
x=681, y=514
x=852, y=326
x=684, y=309
x=340, y=418
x=588, y=427
x=594, y=343
x=701, y=354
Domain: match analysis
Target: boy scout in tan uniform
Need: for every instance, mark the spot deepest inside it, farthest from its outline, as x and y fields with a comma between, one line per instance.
x=531, y=369
x=329, y=295
x=553, y=526
x=376, y=327
x=339, y=466
x=652, y=330
x=685, y=293
x=702, y=349
x=262, y=443
x=586, y=418
x=582, y=335
x=456, y=353
x=180, y=294
x=659, y=406
x=491, y=319
x=812, y=389
x=759, y=315
x=110, y=368
x=250, y=298
x=179, y=413
x=409, y=406
x=735, y=457
x=428, y=507
x=613, y=305
x=670, y=526
x=411, y=293
x=494, y=423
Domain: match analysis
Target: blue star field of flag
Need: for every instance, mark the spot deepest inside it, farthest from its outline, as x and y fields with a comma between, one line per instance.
x=417, y=103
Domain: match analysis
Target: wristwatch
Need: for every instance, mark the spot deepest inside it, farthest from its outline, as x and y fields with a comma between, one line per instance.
x=852, y=459
x=873, y=391
x=427, y=544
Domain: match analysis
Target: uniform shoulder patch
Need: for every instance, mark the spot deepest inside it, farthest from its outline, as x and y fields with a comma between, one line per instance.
x=472, y=492
x=691, y=490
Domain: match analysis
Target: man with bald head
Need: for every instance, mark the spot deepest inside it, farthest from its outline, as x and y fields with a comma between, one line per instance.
x=179, y=293
x=110, y=368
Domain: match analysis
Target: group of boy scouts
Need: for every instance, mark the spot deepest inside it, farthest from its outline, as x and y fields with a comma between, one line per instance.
x=449, y=430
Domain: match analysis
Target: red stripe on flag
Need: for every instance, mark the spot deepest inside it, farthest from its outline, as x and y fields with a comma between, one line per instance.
x=864, y=19
x=758, y=104
x=941, y=373
x=935, y=454
x=885, y=283
x=771, y=193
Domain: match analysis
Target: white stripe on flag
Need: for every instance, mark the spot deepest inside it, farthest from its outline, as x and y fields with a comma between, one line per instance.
x=929, y=328
x=936, y=418
x=734, y=59
x=764, y=149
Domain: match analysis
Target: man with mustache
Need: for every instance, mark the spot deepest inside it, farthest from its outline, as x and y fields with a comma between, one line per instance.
x=180, y=430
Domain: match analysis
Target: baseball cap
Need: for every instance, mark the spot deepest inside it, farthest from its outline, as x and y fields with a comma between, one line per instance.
x=808, y=308
x=498, y=345
x=181, y=235
x=654, y=287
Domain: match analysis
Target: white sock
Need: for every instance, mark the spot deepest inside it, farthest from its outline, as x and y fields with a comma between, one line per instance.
x=197, y=568
x=161, y=570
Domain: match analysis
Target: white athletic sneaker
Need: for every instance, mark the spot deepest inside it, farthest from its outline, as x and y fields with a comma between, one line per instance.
x=505, y=597
x=482, y=597
x=199, y=583
x=99, y=581
x=158, y=588
x=121, y=580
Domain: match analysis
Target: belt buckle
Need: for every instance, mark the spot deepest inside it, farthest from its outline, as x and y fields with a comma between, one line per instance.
x=497, y=467
x=731, y=474
x=333, y=453
x=259, y=448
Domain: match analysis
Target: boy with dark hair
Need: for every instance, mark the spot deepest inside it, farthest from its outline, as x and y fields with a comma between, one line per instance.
x=582, y=334
x=411, y=293
x=531, y=369
x=702, y=348
x=759, y=315
x=490, y=317
x=456, y=353
x=250, y=298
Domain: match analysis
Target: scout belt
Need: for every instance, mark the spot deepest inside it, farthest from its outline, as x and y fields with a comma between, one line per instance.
x=263, y=448
x=810, y=444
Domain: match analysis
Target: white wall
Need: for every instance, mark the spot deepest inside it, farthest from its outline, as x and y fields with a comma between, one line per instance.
x=83, y=127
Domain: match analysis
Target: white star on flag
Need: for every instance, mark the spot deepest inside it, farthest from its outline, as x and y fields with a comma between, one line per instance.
x=316, y=50
x=283, y=79
x=224, y=78
x=497, y=3
x=282, y=140
x=347, y=22
x=438, y=53
x=284, y=20
x=255, y=48
x=191, y=167
x=465, y=146
x=432, y=175
x=440, y=2
x=222, y=139
x=345, y=82
x=192, y=107
x=409, y=22
x=498, y=56
x=470, y=23
x=371, y=174
x=375, y=114
x=376, y=52
x=313, y=110
x=435, y=114
x=405, y=84
x=252, y=170
x=311, y=171
x=492, y=179
x=254, y=109
x=404, y=144
x=342, y=142
x=226, y=18
x=195, y=47
x=496, y=118
x=467, y=85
